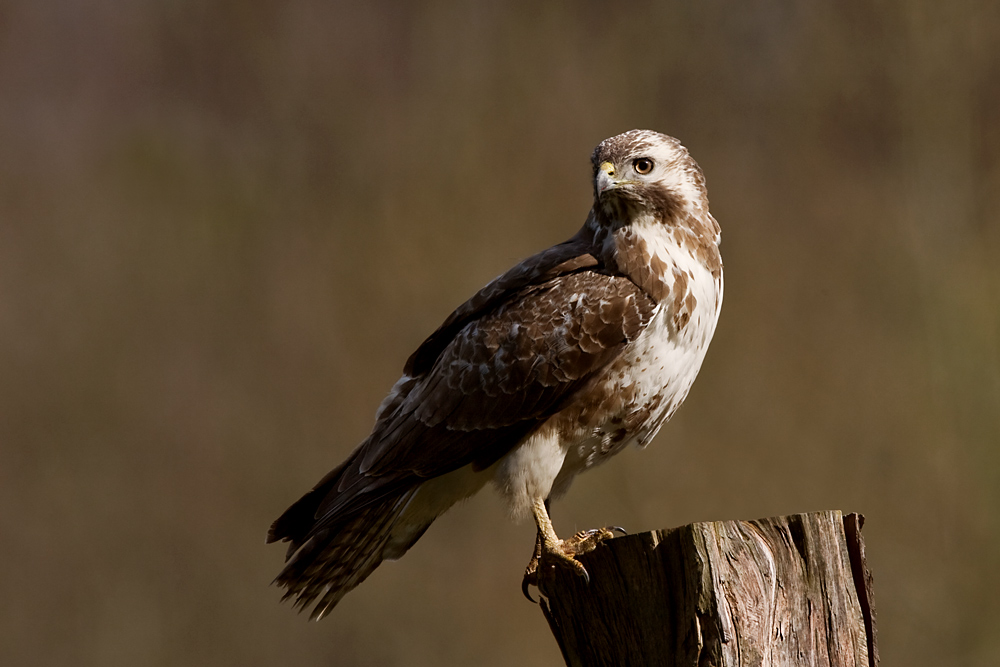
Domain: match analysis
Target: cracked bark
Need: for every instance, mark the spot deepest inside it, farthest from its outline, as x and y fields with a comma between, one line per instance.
x=791, y=590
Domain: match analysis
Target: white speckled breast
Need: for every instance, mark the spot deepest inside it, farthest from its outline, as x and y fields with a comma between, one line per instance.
x=651, y=379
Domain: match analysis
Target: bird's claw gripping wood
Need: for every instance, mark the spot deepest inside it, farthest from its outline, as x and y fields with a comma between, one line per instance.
x=552, y=552
x=563, y=554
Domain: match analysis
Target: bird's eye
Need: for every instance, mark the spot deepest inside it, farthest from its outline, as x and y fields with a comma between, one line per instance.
x=642, y=165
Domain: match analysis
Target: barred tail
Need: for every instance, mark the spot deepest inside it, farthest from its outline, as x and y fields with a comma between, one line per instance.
x=324, y=565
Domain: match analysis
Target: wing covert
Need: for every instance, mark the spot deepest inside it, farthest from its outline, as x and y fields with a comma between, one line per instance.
x=513, y=366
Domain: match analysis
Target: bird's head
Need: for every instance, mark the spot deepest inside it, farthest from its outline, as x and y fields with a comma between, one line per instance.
x=643, y=173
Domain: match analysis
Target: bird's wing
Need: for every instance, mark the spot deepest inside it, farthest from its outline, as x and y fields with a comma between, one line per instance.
x=516, y=363
x=499, y=376
x=500, y=365
x=562, y=259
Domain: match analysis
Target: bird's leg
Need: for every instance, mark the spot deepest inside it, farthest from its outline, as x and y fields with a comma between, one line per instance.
x=550, y=551
x=531, y=572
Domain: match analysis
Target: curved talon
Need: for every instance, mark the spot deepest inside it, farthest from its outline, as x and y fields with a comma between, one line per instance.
x=524, y=589
x=552, y=552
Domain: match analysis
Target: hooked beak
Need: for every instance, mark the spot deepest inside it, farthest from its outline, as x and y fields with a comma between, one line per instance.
x=605, y=178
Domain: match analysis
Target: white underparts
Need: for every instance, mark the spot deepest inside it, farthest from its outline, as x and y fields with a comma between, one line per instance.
x=529, y=470
x=524, y=474
x=432, y=499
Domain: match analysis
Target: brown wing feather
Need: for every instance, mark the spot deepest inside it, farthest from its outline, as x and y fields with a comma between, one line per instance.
x=572, y=255
x=500, y=365
x=500, y=376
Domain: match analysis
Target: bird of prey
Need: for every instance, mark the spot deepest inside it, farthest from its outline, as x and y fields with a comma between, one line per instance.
x=550, y=369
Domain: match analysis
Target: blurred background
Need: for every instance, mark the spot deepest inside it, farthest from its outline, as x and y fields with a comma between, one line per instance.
x=224, y=226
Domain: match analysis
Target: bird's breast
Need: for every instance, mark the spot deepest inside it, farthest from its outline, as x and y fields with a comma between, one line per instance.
x=643, y=387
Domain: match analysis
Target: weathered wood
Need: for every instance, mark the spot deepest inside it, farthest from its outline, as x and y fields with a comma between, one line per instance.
x=778, y=592
x=853, y=523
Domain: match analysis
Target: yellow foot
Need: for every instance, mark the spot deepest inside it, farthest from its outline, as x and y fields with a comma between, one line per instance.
x=550, y=554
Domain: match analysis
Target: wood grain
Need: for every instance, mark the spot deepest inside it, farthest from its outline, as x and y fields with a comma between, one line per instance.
x=779, y=591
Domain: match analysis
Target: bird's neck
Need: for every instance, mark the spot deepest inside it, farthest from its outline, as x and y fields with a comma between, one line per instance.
x=646, y=249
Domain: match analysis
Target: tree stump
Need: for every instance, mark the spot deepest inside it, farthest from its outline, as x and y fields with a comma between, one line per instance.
x=792, y=590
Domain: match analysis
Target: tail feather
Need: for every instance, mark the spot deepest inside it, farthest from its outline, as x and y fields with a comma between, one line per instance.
x=335, y=559
x=298, y=521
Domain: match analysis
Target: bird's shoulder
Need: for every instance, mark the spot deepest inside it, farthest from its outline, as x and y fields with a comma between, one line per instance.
x=534, y=276
x=528, y=338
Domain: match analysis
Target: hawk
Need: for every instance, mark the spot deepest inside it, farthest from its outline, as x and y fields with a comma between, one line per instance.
x=550, y=369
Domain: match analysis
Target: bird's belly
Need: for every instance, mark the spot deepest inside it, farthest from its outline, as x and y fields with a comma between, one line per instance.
x=626, y=404
x=638, y=393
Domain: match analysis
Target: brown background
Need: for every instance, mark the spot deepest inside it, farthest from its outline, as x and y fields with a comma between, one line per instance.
x=224, y=225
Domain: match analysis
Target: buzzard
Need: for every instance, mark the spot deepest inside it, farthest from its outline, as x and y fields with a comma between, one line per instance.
x=550, y=369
